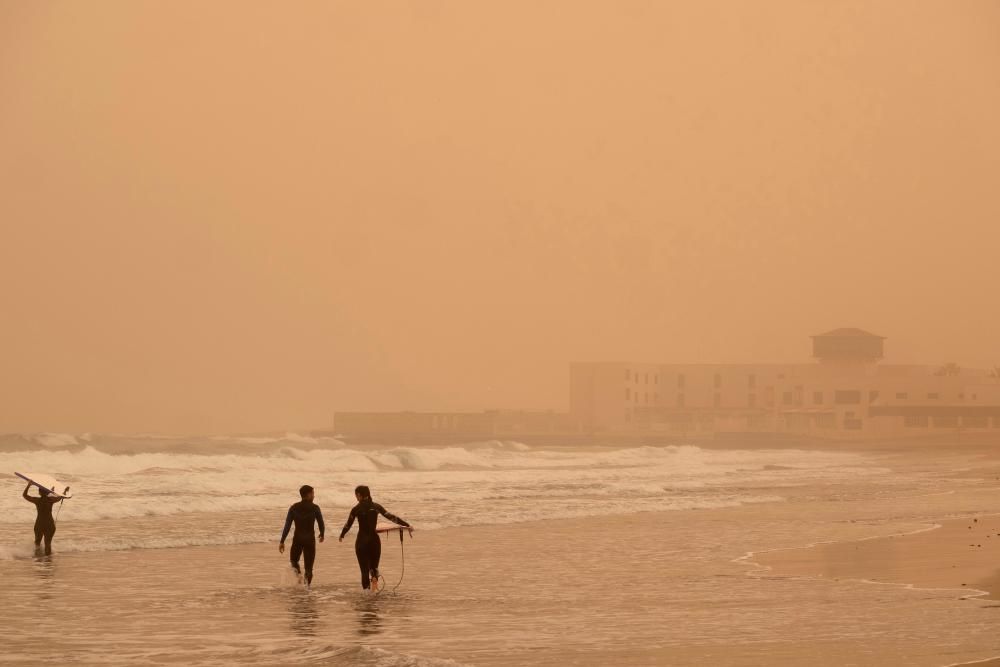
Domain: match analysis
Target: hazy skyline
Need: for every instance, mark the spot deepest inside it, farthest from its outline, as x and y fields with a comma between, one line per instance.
x=239, y=216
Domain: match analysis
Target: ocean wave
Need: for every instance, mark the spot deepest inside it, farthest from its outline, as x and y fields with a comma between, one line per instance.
x=682, y=465
x=53, y=440
x=151, y=443
x=493, y=479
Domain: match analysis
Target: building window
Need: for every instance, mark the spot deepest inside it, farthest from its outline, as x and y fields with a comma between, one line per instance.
x=717, y=401
x=872, y=396
x=656, y=379
x=946, y=422
x=818, y=398
x=718, y=380
x=680, y=381
x=961, y=395
x=846, y=397
x=680, y=400
x=628, y=375
x=976, y=421
x=934, y=395
x=852, y=424
x=656, y=398
x=788, y=398
x=915, y=421
x=752, y=400
x=902, y=395
x=628, y=394
x=645, y=398
x=751, y=380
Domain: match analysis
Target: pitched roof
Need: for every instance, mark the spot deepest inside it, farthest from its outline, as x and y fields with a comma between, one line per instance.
x=848, y=332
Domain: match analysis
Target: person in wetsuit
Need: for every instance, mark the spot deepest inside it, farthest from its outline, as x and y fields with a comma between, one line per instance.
x=368, y=546
x=303, y=514
x=45, y=525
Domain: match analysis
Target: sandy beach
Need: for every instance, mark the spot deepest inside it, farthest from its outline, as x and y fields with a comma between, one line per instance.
x=737, y=585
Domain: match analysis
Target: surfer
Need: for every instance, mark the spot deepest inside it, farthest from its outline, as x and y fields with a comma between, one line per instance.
x=45, y=525
x=368, y=546
x=303, y=514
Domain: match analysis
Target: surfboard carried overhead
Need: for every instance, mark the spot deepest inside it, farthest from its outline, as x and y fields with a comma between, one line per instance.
x=46, y=482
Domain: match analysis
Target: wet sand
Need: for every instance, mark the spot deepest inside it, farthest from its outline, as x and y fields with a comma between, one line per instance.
x=647, y=589
x=725, y=586
x=962, y=555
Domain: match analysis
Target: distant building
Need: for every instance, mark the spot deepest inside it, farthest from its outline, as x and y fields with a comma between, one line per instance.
x=847, y=392
x=456, y=426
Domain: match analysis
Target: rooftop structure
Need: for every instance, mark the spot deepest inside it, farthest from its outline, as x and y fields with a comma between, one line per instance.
x=848, y=345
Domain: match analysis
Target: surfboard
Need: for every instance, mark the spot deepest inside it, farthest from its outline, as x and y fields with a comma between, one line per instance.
x=47, y=482
x=389, y=527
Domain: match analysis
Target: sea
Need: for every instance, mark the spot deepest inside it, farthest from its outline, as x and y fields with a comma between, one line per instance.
x=521, y=554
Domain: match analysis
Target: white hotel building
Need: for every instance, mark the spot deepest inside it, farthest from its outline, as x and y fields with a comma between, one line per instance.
x=846, y=392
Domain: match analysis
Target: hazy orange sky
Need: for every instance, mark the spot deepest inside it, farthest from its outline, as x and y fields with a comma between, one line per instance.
x=236, y=216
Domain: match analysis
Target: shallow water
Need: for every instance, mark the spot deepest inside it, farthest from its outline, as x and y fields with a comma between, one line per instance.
x=147, y=493
x=527, y=556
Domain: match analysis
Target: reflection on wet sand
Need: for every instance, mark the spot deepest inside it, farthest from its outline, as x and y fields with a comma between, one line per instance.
x=44, y=567
x=304, y=614
x=370, y=623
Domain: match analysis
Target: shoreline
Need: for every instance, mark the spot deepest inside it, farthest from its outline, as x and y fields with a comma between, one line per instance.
x=681, y=592
x=954, y=554
x=957, y=555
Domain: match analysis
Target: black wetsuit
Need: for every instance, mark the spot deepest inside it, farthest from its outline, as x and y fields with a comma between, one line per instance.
x=303, y=513
x=45, y=525
x=368, y=546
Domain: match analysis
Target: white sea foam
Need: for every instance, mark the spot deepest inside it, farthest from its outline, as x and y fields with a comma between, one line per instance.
x=484, y=482
x=10, y=552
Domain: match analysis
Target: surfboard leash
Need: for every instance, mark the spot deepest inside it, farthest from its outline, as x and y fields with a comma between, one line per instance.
x=61, y=501
x=402, y=571
x=402, y=560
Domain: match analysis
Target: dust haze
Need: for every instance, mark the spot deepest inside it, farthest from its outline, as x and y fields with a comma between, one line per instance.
x=238, y=216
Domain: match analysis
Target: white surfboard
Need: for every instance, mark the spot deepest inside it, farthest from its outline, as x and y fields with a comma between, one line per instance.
x=47, y=482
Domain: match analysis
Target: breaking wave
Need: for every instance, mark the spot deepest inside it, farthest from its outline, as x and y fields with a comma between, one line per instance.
x=491, y=481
